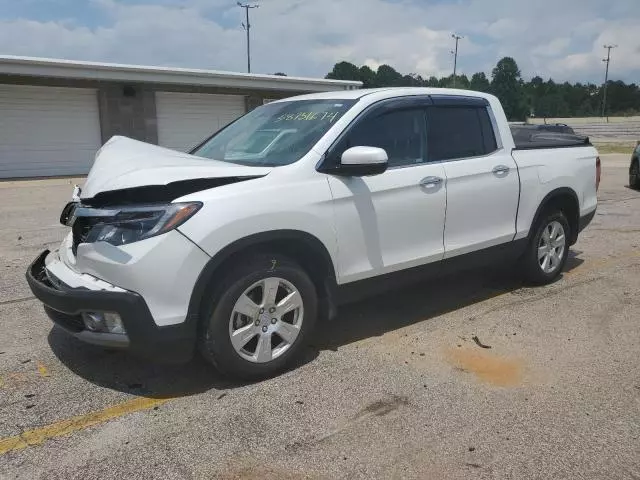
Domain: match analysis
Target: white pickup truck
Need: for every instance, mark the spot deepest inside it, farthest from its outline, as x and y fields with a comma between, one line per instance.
x=239, y=247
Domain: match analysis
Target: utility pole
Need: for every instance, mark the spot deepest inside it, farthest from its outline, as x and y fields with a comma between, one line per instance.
x=247, y=27
x=455, y=56
x=606, y=77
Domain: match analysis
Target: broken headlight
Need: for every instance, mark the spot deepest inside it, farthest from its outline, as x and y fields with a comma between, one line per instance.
x=119, y=226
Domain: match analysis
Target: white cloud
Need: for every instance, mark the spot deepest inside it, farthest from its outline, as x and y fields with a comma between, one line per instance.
x=624, y=58
x=552, y=48
x=504, y=28
x=306, y=37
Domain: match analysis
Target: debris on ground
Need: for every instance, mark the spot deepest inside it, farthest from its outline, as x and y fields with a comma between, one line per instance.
x=479, y=343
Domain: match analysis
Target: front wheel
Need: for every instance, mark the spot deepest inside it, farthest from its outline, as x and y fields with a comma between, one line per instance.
x=259, y=320
x=547, y=252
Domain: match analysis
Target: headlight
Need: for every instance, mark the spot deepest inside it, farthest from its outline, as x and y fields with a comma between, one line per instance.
x=122, y=225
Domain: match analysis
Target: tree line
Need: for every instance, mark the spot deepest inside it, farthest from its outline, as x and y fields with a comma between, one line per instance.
x=520, y=99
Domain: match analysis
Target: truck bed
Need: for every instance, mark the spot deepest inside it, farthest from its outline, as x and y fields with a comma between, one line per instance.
x=528, y=137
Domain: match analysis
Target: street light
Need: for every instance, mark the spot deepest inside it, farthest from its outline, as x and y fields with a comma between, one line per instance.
x=606, y=77
x=247, y=27
x=455, y=56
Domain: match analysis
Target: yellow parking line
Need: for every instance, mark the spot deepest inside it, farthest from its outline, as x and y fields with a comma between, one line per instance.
x=42, y=369
x=38, y=436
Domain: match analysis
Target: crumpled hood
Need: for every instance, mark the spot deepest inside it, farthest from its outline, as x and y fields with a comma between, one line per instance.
x=123, y=163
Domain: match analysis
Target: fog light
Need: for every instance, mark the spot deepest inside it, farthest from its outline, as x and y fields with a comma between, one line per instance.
x=105, y=322
x=113, y=322
x=94, y=321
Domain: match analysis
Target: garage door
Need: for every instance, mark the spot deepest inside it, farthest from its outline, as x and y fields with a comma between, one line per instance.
x=47, y=131
x=185, y=119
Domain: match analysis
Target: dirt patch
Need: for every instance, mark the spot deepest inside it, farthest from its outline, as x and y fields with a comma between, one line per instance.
x=264, y=472
x=487, y=367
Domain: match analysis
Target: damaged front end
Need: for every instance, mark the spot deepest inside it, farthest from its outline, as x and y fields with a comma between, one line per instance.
x=129, y=193
x=127, y=224
x=159, y=193
x=129, y=215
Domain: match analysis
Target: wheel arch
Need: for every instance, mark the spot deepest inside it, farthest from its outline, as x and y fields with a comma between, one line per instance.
x=566, y=200
x=302, y=247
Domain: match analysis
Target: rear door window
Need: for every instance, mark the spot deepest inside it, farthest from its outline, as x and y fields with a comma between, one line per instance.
x=459, y=132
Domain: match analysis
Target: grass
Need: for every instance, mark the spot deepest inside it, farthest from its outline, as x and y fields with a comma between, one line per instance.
x=615, y=147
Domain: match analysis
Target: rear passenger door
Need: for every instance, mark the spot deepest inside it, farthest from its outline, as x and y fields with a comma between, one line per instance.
x=482, y=178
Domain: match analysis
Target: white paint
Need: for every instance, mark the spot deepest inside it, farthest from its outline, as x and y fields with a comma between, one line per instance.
x=388, y=222
x=164, y=281
x=124, y=163
x=47, y=130
x=573, y=168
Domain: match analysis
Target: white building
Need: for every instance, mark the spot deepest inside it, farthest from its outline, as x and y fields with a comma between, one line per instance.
x=55, y=114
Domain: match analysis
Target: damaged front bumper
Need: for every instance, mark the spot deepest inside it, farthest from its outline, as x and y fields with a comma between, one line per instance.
x=65, y=306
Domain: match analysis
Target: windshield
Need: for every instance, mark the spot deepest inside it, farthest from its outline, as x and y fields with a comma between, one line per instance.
x=274, y=134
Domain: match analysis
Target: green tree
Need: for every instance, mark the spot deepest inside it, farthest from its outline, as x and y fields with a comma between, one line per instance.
x=387, y=76
x=479, y=82
x=432, y=81
x=462, y=81
x=344, y=71
x=622, y=99
x=535, y=97
x=367, y=77
x=506, y=84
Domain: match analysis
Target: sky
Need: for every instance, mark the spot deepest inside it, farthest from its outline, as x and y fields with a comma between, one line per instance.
x=561, y=39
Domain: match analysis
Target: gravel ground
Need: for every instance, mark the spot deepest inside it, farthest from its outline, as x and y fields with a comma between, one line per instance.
x=394, y=388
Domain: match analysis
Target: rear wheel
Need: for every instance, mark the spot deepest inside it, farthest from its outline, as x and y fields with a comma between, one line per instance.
x=547, y=252
x=258, y=322
x=634, y=175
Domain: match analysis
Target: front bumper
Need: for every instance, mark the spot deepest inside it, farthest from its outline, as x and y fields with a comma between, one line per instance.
x=64, y=305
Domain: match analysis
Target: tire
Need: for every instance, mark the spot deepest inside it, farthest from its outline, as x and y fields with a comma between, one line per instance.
x=258, y=351
x=634, y=175
x=536, y=269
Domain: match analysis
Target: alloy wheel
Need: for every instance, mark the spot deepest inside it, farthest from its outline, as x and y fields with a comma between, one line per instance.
x=266, y=320
x=551, y=247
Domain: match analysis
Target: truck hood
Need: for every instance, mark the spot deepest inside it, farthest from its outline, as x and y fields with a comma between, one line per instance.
x=123, y=164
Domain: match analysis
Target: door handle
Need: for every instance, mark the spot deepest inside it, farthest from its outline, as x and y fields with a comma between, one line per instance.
x=500, y=170
x=430, y=182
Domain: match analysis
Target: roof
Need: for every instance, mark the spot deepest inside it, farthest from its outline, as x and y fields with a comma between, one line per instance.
x=71, y=69
x=387, y=92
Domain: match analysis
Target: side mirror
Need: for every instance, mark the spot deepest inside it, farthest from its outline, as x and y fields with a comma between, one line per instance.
x=361, y=161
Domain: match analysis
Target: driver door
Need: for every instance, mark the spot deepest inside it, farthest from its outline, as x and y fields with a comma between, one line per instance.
x=394, y=220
